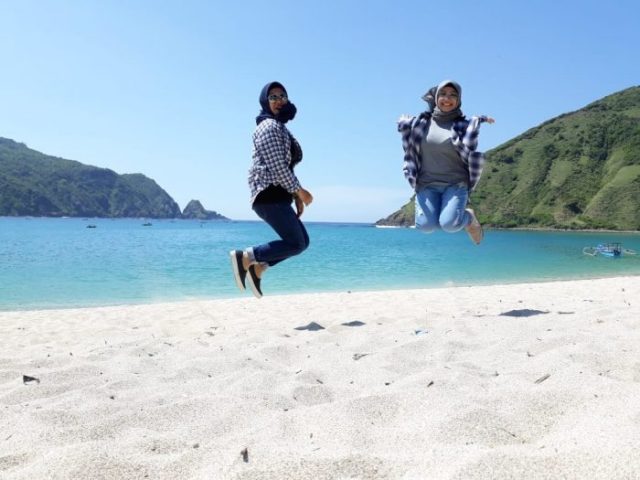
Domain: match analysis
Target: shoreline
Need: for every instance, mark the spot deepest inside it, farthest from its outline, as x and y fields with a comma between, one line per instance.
x=448, y=383
x=530, y=229
x=577, y=230
x=382, y=290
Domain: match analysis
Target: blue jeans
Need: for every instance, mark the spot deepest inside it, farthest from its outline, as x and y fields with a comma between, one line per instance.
x=442, y=207
x=284, y=220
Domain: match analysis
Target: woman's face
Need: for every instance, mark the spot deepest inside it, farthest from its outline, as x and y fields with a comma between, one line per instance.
x=277, y=98
x=448, y=99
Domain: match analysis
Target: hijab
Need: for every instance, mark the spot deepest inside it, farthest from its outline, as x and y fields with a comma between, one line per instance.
x=453, y=114
x=430, y=98
x=286, y=113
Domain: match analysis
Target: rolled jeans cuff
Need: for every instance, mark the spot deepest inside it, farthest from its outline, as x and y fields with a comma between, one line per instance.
x=252, y=259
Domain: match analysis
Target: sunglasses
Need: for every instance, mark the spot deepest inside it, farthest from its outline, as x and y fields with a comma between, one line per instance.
x=275, y=98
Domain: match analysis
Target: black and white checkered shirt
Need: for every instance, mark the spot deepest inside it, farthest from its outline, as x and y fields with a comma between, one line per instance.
x=271, y=159
x=464, y=137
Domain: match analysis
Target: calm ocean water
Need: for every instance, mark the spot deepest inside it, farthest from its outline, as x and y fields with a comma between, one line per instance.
x=54, y=263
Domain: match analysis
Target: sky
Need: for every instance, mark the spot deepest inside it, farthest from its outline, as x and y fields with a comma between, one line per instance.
x=169, y=88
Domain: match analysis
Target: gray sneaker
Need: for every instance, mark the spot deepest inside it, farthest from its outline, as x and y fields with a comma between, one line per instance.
x=474, y=229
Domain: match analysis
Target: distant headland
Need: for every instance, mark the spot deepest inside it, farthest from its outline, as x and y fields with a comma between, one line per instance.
x=40, y=185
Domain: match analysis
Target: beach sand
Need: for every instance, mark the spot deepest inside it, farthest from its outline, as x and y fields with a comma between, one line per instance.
x=528, y=381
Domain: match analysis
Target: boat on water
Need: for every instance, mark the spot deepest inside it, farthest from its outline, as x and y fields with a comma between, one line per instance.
x=612, y=250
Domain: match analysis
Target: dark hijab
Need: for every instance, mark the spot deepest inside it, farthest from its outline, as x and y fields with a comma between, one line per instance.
x=286, y=113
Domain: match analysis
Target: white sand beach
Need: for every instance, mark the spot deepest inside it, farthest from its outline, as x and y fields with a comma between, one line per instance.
x=528, y=381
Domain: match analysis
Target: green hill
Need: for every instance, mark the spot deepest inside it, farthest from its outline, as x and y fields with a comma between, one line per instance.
x=580, y=170
x=34, y=184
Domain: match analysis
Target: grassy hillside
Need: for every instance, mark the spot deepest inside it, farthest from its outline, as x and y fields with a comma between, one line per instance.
x=35, y=184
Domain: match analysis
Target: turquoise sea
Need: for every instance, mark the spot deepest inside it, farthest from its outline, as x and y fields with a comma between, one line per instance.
x=56, y=263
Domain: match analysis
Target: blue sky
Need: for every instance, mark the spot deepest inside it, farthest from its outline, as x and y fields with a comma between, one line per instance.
x=170, y=88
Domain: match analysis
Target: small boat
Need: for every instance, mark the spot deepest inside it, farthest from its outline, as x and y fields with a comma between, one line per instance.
x=612, y=250
x=91, y=226
x=148, y=224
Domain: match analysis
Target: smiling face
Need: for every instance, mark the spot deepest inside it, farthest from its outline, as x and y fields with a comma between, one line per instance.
x=277, y=99
x=448, y=99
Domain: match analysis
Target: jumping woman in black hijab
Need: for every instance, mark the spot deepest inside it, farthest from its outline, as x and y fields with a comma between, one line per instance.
x=274, y=187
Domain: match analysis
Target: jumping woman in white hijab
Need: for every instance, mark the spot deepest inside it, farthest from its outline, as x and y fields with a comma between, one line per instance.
x=441, y=162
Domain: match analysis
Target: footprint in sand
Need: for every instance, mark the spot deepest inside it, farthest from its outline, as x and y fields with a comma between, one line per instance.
x=312, y=395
